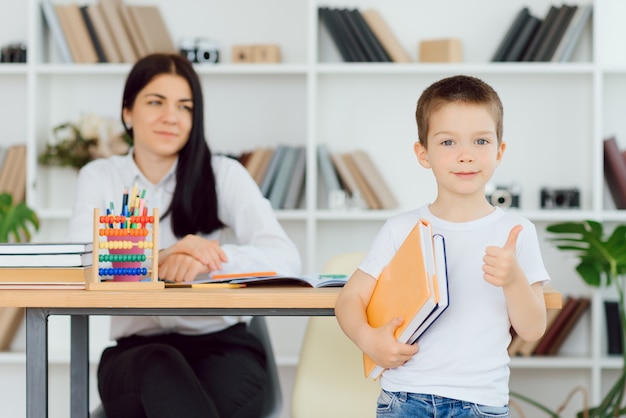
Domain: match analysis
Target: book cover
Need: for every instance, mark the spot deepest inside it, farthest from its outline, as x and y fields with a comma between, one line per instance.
x=284, y=174
x=555, y=33
x=511, y=35
x=364, y=189
x=132, y=28
x=10, y=321
x=268, y=153
x=537, y=40
x=615, y=172
x=406, y=288
x=13, y=174
x=615, y=337
x=385, y=36
x=113, y=20
x=152, y=29
x=348, y=182
x=52, y=20
x=7, y=169
x=102, y=32
x=581, y=307
x=374, y=179
x=521, y=42
x=272, y=170
x=92, y=34
x=328, y=21
x=253, y=162
x=46, y=260
x=295, y=189
x=368, y=36
x=81, y=34
x=569, y=305
x=573, y=33
x=44, y=275
x=45, y=248
x=66, y=24
x=344, y=22
x=273, y=279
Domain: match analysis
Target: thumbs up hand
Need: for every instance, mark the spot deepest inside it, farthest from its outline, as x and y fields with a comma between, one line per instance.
x=500, y=263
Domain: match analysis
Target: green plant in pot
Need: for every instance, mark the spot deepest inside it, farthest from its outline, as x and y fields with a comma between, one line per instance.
x=602, y=263
x=16, y=220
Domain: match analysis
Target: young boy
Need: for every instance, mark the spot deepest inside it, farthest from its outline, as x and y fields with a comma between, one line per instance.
x=459, y=368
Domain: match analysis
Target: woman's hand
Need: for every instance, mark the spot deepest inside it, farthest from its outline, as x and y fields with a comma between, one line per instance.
x=181, y=268
x=207, y=252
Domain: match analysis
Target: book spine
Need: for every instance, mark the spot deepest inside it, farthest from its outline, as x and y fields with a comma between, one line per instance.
x=615, y=337
x=615, y=172
x=537, y=40
x=511, y=35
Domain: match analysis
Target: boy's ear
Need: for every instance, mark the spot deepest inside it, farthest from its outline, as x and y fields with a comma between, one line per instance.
x=501, y=149
x=421, y=154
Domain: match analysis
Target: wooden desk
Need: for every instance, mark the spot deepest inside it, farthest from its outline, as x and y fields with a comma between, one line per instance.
x=80, y=304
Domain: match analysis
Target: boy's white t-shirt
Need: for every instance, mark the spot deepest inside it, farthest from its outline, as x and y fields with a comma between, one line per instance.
x=463, y=355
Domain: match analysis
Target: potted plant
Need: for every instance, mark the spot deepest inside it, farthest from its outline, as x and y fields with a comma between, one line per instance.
x=16, y=220
x=602, y=263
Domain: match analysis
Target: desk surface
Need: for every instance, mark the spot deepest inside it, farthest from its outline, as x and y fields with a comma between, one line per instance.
x=251, y=297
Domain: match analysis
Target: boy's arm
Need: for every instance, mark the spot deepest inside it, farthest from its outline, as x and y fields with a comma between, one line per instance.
x=378, y=343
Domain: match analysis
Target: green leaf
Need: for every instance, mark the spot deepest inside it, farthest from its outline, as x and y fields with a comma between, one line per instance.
x=16, y=221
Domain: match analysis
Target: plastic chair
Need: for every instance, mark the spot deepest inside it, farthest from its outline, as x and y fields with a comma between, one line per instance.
x=274, y=401
x=329, y=379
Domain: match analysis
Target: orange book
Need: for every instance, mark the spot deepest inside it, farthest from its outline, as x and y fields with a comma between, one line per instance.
x=407, y=287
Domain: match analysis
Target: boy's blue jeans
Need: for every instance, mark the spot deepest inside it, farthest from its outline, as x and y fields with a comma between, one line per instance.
x=410, y=405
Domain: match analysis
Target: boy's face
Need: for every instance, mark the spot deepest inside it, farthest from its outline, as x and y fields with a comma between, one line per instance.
x=463, y=149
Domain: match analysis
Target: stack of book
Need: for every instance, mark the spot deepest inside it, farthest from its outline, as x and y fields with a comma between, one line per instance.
x=45, y=265
x=560, y=323
x=346, y=180
x=106, y=31
x=553, y=38
x=362, y=36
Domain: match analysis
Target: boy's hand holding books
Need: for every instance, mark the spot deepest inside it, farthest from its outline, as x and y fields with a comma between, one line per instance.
x=384, y=349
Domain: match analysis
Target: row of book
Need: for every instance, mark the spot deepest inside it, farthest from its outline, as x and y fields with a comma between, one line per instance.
x=553, y=38
x=560, y=323
x=362, y=36
x=13, y=171
x=106, y=31
x=615, y=171
x=347, y=179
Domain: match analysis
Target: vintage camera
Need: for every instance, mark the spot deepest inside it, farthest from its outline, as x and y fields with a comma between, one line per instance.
x=200, y=50
x=560, y=198
x=15, y=52
x=504, y=196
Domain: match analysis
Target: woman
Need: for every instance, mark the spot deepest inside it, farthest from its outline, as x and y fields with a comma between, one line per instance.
x=213, y=218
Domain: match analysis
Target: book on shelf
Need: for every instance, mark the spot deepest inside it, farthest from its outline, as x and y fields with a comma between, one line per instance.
x=63, y=15
x=103, y=33
x=555, y=33
x=44, y=275
x=332, y=195
x=11, y=319
x=364, y=189
x=568, y=317
x=295, y=188
x=615, y=172
x=349, y=35
x=614, y=332
x=97, y=45
x=278, y=191
x=13, y=172
x=119, y=35
x=272, y=169
x=521, y=42
x=132, y=28
x=407, y=287
x=348, y=181
x=374, y=179
x=54, y=25
x=540, y=34
x=151, y=28
x=582, y=305
x=572, y=35
x=511, y=35
x=377, y=52
x=385, y=36
x=327, y=19
x=253, y=162
x=81, y=34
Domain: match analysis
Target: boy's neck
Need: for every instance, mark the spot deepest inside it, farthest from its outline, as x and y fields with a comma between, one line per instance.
x=461, y=211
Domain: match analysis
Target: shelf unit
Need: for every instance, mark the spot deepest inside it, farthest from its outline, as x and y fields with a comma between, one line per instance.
x=556, y=116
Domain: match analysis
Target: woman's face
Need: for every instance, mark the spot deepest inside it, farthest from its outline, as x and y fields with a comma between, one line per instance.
x=161, y=117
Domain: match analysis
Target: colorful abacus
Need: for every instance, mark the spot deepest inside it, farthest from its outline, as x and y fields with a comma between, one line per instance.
x=125, y=234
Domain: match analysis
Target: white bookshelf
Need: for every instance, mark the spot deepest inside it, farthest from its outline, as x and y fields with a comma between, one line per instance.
x=556, y=116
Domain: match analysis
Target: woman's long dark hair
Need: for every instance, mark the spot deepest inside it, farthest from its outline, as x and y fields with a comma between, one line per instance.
x=194, y=204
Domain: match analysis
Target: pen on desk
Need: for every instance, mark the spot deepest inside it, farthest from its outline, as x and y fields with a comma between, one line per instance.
x=207, y=285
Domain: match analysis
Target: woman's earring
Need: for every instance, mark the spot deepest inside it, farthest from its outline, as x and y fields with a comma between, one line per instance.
x=128, y=125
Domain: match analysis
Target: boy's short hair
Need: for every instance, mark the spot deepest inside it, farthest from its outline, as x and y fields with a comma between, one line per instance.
x=457, y=89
